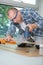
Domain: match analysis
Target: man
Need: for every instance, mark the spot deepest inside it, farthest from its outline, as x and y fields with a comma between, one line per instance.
x=25, y=19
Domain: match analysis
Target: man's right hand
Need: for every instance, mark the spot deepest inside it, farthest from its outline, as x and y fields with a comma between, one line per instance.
x=9, y=38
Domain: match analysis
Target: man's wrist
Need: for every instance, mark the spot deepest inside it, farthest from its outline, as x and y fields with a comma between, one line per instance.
x=9, y=36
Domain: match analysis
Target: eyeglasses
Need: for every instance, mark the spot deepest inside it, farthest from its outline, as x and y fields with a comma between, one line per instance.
x=15, y=16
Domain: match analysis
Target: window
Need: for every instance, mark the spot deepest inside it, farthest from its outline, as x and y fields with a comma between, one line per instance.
x=4, y=21
x=27, y=1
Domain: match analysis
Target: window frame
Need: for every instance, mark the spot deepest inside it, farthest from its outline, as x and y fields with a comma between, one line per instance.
x=20, y=4
x=24, y=5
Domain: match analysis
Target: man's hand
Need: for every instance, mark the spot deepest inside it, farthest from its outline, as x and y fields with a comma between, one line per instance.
x=9, y=38
x=31, y=26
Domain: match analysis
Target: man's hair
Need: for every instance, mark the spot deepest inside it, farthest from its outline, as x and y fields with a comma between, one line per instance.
x=14, y=9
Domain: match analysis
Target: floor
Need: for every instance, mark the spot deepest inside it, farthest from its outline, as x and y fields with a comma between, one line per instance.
x=13, y=55
x=9, y=58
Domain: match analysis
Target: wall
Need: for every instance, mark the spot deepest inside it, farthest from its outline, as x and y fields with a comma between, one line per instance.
x=41, y=7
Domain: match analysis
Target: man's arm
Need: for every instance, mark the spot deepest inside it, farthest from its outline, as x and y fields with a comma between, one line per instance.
x=37, y=18
x=10, y=33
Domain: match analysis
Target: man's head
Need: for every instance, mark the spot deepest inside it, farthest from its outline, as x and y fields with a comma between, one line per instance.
x=14, y=15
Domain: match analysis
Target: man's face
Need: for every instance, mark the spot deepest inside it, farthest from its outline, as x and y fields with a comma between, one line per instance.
x=15, y=16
